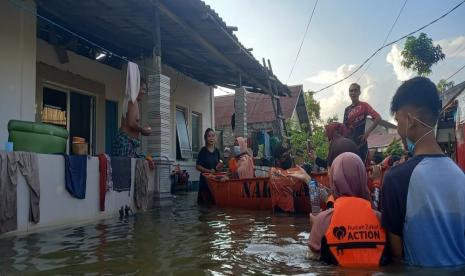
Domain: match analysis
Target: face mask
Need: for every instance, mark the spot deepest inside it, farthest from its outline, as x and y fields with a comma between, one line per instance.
x=411, y=144
x=237, y=150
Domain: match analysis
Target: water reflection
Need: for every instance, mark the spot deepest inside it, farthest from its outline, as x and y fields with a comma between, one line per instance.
x=180, y=239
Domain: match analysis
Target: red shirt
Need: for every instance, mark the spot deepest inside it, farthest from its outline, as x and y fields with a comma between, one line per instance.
x=355, y=119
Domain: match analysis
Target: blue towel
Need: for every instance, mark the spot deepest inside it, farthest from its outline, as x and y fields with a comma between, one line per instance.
x=76, y=175
x=121, y=173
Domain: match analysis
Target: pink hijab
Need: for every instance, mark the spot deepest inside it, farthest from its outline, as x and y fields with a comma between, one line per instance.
x=347, y=177
x=245, y=167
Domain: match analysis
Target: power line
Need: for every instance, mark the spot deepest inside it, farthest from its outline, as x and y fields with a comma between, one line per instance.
x=386, y=38
x=302, y=43
x=389, y=44
x=296, y=57
x=456, y=72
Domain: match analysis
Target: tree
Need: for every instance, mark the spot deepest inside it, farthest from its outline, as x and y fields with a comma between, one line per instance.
x=333, y=119
x=317, y=137
x=420, y=54
x=443, y=85
x=394, y=148
x=313, y=108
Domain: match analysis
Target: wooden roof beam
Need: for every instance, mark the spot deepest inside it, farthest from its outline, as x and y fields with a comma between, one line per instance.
x=204, y=43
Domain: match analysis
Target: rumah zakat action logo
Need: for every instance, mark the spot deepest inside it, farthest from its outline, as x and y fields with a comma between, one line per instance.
x=339, y=232
x=357, y=232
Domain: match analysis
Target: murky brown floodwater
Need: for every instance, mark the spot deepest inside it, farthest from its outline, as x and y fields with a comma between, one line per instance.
x=180, y=239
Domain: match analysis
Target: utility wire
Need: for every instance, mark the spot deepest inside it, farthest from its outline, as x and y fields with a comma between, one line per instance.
x=302, y=42
x=296, y=57
x=456, y=72
x=385, y=39
x=389, y=44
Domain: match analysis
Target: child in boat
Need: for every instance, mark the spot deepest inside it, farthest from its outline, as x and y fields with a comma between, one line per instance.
x=208, y=161
x=243, y=167
x=352, y=226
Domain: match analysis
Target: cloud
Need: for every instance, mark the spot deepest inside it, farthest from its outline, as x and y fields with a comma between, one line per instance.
x=453, y=47
x=328, y=77
x=221, y=91
x=394, y=57
x=336, y=99
x=377, y=92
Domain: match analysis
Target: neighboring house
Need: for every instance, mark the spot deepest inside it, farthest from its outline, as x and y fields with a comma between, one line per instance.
x=260, y=113
x=451, y=126
x=380, y=138
x=63, y=57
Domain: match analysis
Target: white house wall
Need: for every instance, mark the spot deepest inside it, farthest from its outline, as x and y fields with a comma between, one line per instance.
x=194, y=96
x=113, y=79
x=17, y=65
x=58, y=207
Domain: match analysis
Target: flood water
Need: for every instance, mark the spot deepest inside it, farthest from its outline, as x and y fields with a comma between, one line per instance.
x=181, y=239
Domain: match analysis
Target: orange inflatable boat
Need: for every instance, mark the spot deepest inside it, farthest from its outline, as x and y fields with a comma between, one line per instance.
x=277, y=191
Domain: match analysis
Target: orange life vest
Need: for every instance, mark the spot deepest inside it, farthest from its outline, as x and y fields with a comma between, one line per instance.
x=355, y=236
x=232, y=165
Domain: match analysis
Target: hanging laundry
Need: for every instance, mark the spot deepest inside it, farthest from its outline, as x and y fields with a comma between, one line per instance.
x=76, y=175
x=266, y=138
x=27, y=164
x=121, y=167
x=109, y=174
x=141, y=183
x=132, y=85
x=102, y=168
x=8, y=211
x=105, y=178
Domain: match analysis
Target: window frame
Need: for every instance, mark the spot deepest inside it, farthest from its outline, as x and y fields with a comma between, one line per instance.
x=198, y=134
x=186, y=153
x=68, y=90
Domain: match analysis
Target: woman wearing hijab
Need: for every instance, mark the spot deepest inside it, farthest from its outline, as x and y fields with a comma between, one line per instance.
x=244, y=165
x=350, y=234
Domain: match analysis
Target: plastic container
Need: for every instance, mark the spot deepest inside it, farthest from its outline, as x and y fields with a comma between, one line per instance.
x=9, y=146
x=37, y=137
x=376, y=198
x=314, y=196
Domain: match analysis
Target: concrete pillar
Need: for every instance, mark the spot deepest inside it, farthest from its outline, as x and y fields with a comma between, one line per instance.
x=240, y=102
x=159, y=141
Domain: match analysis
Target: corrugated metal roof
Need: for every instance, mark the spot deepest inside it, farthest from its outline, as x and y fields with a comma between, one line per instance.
x=259, y=108
x=194, y=38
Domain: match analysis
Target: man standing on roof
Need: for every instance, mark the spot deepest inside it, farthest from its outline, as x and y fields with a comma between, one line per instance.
x=355, y=116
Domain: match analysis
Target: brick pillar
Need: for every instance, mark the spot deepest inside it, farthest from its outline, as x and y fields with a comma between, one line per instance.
x=159, y=141
x=240, y=101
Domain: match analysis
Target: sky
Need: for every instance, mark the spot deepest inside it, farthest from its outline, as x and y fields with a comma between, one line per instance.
x=341, y=36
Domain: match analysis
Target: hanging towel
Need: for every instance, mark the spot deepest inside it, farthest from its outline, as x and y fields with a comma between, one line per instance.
x=76, y=175
x=141, y=182
x=105, y=179
x=132, y=85
x=121, y=167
